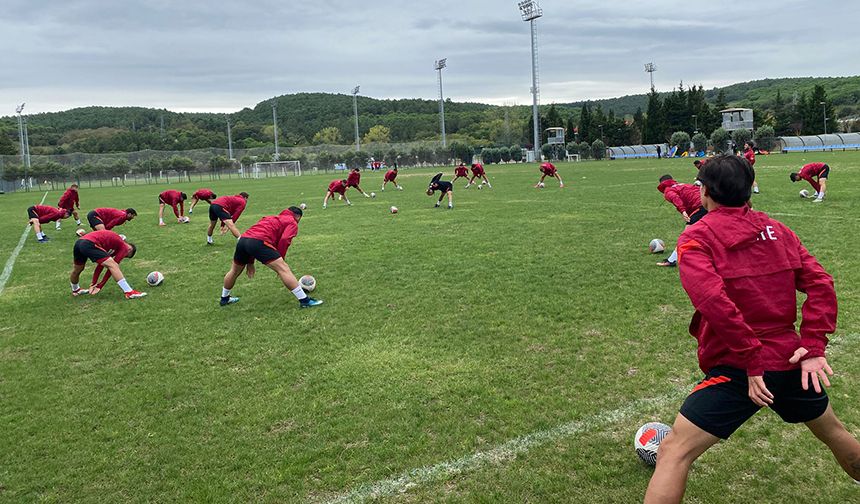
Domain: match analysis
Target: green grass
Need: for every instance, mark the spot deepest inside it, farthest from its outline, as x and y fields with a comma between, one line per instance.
x=443, y=333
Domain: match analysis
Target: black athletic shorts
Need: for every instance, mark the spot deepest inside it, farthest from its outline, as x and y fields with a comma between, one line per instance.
x=94, y=219
x=697, y=215
x=85, y=249
x=248, y=248
x=720, y=403
x=825, y=171
x=31, y=213
x=217, y=212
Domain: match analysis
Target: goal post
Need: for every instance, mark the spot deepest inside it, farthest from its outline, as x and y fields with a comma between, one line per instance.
x=275, y=169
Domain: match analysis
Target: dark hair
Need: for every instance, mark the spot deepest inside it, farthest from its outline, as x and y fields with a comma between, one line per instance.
x=243, y=194
x=213, y=196
x=74, y=185
x=133, y=249
x=666, y=177
x=728, y=180
x=131, y=211
x=794, y=177
x=184, y=196
x=296, y=211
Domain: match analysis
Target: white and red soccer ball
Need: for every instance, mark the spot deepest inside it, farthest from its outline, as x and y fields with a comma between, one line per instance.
x=308, y=283
x=647, y=440
x=656, y=246
x=154, y=279
x=393, y=209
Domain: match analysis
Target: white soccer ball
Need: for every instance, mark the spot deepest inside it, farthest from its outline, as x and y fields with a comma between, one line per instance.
x=185, y=219
x=122, y=236
x=804, y=193
x=154, y=279
x=303, y=206
x=308, y=283
x=393, y=209
x=373, y=195
x=647, y=440
x=656, y=246
x=480, y=186
x=541, y=185
x=81, y=232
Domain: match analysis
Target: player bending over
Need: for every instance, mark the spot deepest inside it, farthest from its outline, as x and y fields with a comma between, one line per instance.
x=267, y=241
x=353, y=180
x=809, y=173
x=107, y=249
x=176, y=200
x=227, y=209
x=444, y=188
x=460, y=172
x=41, y=214
x=478, y=172
x=749, y=155
x=201, y=195
x=741, y=270
x=108, y=218
x=549, y=170
x=688, y=202
x=336, y=187
x=390, y=176
x=70, y=201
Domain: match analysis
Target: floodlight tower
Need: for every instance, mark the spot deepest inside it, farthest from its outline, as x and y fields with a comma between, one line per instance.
x=25, y=144
x=531, y=11
x=355, y=110
x=229, y=141
x=275, y=124
x=824, y=113
x=440, y=64
x=651, y=68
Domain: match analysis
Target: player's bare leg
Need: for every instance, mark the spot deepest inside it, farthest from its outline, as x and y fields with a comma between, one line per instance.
x=822, y=189
x=471, y=180
x=289, y=279
x=450, y=200
x=329, y=194
x=560, y=182
x=75, y=279
x=194, y=202
x=116, y=273
x=543, y=176
x=362, y=192
x=676, y=454
x=232, y=227
x=487, y=181
x=37, y=226
x=230, y=281
x=99, y=227
x=349, y=203
x=844, y=446
x=161, y=214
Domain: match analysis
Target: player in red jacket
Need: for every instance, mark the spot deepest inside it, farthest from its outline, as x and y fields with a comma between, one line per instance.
x=41, y=214
x=391, y=176
x=353, y=180
x=478, y=172
x=201, y=195
x=227, y=209
x=267, y=241
x=688, y=202
x=749, y=155
x=109, y=218
x=460, y=172
x=809, y=173
x=107, y=249
x=70, y=201
x=741, y=270
x=549, y=170
x=174, y=199
x=337, y=186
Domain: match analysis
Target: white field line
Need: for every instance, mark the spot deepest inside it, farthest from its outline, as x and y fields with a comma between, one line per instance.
x=783, y=214
x=7, y=270
x=509, y=450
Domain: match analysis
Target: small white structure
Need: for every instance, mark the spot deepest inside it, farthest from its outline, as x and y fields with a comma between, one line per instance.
x=737, y=118
x=555, y=136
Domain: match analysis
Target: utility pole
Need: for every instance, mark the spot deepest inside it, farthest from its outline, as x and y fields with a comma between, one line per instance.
x=25, y=145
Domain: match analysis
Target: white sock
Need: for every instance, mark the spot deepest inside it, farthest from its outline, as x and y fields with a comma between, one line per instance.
x=209, y=239
x=123, y=284
x=225, y=292
x=299, y=293
x=821, y=195
x=78, y=222
x=58, y=224
x=161, y=221
x=40, y=235
x=75, y=286
x=674, y=257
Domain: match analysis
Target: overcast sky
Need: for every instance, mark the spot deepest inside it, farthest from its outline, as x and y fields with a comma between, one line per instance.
x=194, y=55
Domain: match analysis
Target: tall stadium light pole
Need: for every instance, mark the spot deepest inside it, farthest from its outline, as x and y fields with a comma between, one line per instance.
x=531, y=11
x=229, y=141
x=696, y=121
x=440, y=64
x=651, y=68
x=275, y=124
x=25, y=145
x=824, y=114
x=355, y=112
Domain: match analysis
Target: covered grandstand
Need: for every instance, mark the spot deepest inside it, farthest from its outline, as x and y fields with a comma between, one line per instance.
x=636, y=151
x=818, y=143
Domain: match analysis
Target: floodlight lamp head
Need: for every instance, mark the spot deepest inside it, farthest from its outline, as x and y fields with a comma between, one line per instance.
x=355, y=90
x=19, y=108
x=650, y=67
x=442, y=63
x=530, y=10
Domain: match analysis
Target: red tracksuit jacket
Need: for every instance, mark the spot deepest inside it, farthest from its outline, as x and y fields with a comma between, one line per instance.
x=69, y=199
x=685, y=197
x=275, y=231
x=234, y=205
x=112, y=217
x=741, y=270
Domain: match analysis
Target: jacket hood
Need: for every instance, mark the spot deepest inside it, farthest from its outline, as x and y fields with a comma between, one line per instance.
x=665, y=185
x=736, y=227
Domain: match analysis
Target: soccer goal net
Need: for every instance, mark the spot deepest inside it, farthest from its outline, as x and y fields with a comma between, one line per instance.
x=275, y=169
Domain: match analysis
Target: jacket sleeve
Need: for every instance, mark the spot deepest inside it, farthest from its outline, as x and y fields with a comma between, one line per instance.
x=238, y=212
x=707, y=292
x=820, y=308
x=674, y=198
x=286, y=239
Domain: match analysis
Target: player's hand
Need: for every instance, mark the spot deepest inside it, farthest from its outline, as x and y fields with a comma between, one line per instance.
x=94, y=289
x=816, y=368
x=758, y=391
x=686, y=217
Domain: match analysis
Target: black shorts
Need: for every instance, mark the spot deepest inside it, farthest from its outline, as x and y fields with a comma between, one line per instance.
x=217, y=212
x=697, y=215
x=824, y=172
x=85, y=249
x=93, y=219
x=720, y=403
x=248, y=248
x=31, y=213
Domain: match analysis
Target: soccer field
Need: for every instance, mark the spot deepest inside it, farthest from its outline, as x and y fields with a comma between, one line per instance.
x=504, y=351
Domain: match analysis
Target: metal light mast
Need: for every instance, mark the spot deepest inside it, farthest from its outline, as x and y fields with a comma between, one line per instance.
x=229, y=141
x=651, y=68
x=25, y=145
x=440, y=64
x=531, y=11
x=355, y=110
x=275, y=124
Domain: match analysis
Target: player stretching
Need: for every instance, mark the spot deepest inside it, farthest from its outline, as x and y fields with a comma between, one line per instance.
x=809, y=173
x=687, y=201
x=444, y=188
x=70, y=201
x=267, y=241
x=749, y=155
x=338, y=187
x=391, y=176
x=41, y=214
x=201, y=195
x=460, y=172
x=741, y=270
x=174, y=199
x=478, y=172
x=108, y=218
x=549, y=170
x=227, y=209
x=107, y=249
x=353, y=179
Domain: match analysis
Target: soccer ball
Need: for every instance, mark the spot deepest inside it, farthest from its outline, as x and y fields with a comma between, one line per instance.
x=480, y=186
x=541, y=185
x=308, y=283
x=303, y=206
x=656, y=246
x=373, y=195
x=81, y=232
x=648, y=439
x=804, y=193
x=185, y=219
x=154, y=279
x=122, y=237
x=393, y=209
